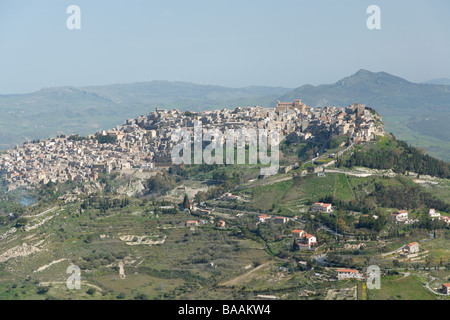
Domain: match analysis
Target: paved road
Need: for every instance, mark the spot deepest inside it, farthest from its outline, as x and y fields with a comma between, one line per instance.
x=334, y=232
x=254, y=213
x=266, y=183
x=428, y=287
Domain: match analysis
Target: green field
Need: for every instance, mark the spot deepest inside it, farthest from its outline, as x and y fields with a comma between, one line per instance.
x=398, y=288
x=288, y=195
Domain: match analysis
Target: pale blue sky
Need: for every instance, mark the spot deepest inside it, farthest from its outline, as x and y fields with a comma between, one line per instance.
x=224, y=42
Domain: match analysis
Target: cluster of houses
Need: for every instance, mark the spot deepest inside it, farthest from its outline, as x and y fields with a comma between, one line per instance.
x=401, y=216
x=305, y=240
x=71, y=158
x=357, y=121
x=146, y=140
x=277, y=220
x=195, y=223
x=436, y=215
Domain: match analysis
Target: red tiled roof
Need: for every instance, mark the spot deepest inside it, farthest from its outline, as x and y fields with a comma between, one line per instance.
x=347, y=270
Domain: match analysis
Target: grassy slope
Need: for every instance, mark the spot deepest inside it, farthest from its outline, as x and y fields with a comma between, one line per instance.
x=65, y=238
x=395, y=288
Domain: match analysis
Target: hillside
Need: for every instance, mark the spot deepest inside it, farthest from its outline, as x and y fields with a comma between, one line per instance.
x=417, y=113
x=390, y=153
x=195, y=231
x=444, y=81
x=136, y=247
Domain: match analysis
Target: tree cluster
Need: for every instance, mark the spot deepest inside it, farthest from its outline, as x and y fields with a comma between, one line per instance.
x=400, y=157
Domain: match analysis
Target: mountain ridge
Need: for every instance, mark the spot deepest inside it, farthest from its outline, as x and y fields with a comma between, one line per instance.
x=415, y=112
x=440, y=81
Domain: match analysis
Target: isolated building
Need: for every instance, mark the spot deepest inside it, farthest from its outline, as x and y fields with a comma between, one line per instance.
x=400, y=216
x=281, y=220
x=263, y=218
x=322, y=207
x=191, y=223
x=221, y=224
x=446, y=288
x=412, y=247
x=348, y=274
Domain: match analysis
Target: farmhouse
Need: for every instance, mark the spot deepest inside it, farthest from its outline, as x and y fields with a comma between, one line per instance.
x=348, y=274
x=322, y=207
x=297, y=234
x=400, y=216
x=191, y=223
x=433, y=214
x=306, y=240
x=446, y=288
x=445, y=219
x=263, y=218
x=309, y=239
x=413, y=247
x=221, y=224
x=230, y=197
x=281, y=220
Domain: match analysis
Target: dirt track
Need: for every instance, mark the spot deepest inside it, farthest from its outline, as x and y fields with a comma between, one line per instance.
x=243, y=277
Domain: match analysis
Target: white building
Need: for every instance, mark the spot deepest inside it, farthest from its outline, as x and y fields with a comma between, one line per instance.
x=433, y=214
x=400, y=216
x=348, y=274
x=412, y=247
x=322, y=207
x=310, y=239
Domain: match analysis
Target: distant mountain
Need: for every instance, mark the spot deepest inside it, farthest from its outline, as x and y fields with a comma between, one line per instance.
x=444, y=81
x=53, y=111
x=417, y=113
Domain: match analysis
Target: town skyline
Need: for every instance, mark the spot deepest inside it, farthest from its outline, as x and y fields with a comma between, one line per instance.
x=145, y=141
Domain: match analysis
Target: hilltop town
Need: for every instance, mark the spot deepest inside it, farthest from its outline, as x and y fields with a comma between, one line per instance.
x=143, y=142
x=139, y=226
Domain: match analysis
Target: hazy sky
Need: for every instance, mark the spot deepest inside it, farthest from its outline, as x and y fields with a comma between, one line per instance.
x=224, y=42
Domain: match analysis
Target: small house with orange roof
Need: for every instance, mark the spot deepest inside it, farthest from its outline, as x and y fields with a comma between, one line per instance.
x=412, y=247
x=348, y=274
x=446, y=288
x=297, y=234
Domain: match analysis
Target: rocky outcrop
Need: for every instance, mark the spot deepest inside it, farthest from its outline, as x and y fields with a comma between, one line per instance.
x=19, y=251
